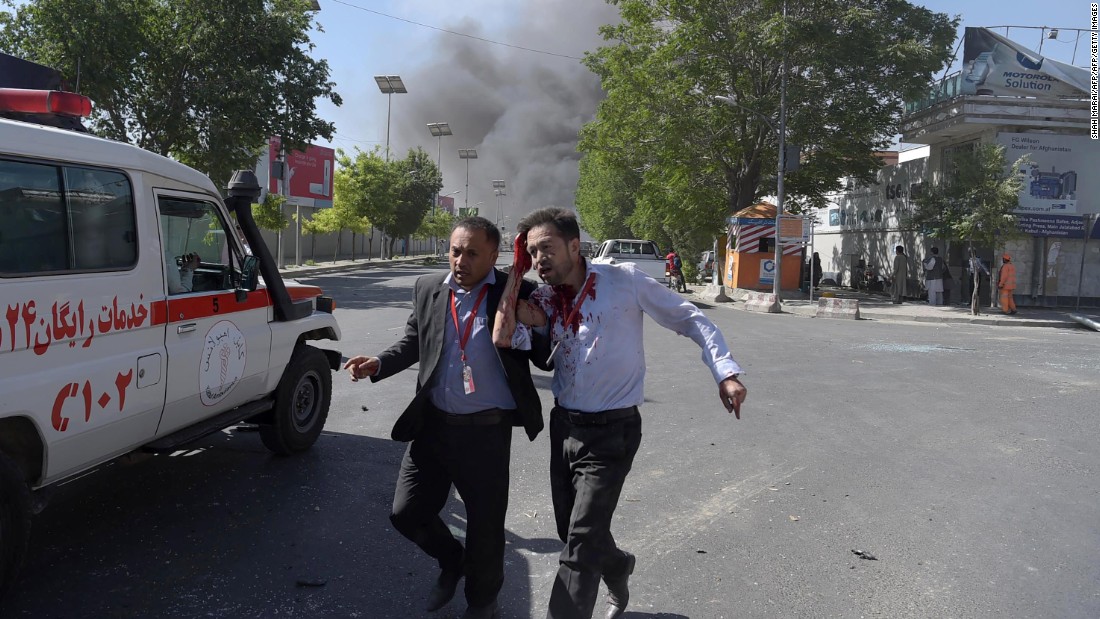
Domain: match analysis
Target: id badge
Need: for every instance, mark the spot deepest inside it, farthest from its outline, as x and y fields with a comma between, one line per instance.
x=468, y=379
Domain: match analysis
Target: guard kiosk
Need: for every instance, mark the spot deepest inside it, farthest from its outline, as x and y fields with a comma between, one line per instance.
x=750, y=251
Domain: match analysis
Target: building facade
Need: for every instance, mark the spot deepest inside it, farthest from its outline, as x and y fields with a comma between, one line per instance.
x=1005, y=95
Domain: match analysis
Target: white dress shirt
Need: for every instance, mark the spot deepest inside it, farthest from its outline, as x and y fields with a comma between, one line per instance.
x=602, y=366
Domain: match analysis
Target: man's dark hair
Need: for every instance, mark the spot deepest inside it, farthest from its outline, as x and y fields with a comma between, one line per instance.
x=935, y=251
x=480, y=223
x=563, y=220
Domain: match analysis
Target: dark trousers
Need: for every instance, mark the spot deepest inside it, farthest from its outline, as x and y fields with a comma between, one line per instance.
x=475, y=459
x=588, y=465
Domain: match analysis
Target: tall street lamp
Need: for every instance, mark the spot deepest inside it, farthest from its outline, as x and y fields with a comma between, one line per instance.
x=467, y=154
x=498, y=190
x=781, y=132
x=438, y=130
x=389, y=84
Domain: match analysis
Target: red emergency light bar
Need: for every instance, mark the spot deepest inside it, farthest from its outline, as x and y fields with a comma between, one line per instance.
x=25, y=101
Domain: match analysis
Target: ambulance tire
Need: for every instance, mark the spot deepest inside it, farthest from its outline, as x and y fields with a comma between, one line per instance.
x=301, y=403
x=15, y=522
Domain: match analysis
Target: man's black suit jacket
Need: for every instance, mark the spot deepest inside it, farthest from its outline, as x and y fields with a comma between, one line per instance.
x=423, y=342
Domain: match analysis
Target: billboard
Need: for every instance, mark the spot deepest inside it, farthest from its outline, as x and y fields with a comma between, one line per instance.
x=447, y=203
x=309, y=173
x=1059, y=178
x=993, y=65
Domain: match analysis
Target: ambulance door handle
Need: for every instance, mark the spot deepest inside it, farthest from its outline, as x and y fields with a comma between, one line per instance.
x=187, y=328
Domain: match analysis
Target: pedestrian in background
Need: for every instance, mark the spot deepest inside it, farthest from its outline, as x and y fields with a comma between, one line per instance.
x=1006, y=283
x=976, y=269
x=469, y=394
x=933, y=277
x=815, y=267
x=901, y=274
x=599, y=371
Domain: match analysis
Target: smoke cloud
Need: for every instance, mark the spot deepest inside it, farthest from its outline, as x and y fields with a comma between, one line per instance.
x=522, y=111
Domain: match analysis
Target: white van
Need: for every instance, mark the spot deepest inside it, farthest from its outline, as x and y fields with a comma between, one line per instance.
x=108, y=344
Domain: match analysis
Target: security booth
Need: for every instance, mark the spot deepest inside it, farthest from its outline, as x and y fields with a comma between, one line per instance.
x=750, y=251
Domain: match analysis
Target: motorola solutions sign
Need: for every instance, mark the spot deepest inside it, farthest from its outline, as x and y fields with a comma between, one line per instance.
x=994, y=65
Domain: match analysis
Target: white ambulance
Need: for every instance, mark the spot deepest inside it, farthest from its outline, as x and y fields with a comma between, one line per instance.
x=114, y=336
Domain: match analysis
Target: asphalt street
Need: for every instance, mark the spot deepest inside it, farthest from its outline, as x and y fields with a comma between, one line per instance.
x=963, y=458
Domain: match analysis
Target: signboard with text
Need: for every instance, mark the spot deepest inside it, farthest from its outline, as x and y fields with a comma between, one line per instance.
x=309, y=173
x=1064, y=226
x=1059, y=178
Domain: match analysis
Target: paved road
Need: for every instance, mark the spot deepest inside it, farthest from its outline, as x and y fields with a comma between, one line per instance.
x=963, y=457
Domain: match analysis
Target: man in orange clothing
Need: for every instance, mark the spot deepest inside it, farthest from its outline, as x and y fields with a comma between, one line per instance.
x=1007, y=285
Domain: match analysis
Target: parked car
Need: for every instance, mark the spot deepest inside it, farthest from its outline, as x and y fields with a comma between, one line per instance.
x=705, y=267
x=644, y=254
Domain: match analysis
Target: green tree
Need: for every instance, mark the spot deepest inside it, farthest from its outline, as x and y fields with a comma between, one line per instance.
x=973, y=202
x=364, y=186
x=418, y=181
x=605, y=196
x=336, y=220
x=269, y=214
x=853, y=63
x=203, y=81
x=436, y=226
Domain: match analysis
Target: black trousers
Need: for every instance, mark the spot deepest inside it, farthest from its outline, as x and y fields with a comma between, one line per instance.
x=475, y=459
x=588, y=466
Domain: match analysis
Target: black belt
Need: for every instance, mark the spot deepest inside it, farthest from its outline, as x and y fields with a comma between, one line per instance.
x=487, y=417
x=601, y=418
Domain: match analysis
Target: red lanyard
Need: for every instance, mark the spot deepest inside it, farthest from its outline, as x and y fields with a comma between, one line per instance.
x=584, y=293
x=465, y=337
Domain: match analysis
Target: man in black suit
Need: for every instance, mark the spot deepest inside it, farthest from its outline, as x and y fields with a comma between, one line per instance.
x=469, y=394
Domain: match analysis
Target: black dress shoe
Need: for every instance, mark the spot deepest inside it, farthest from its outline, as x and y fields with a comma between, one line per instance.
x=618, y=593
x=444, y=588
x=489, y=611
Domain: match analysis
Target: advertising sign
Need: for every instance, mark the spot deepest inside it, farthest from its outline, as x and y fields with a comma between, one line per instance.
x=993, y=65
x=309, y=173
x=447, y=203
x=1059, y=179
x=767, y=272
x=1065, y=226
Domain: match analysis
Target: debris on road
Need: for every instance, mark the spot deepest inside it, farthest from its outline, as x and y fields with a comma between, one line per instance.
x=863, y=554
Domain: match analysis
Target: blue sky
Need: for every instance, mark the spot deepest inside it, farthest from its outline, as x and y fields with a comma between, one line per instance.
x=444, y=84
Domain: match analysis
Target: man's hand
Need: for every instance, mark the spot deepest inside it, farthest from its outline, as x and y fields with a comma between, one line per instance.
x=732, y=393
x=190, y=262
x=362, y=367
x=530, y=314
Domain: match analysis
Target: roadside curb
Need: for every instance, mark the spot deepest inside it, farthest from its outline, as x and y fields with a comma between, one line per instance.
x=804, y=308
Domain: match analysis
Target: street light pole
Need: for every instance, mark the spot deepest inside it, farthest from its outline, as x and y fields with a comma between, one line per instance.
x=389, y=84
x=498, y=189
x=776, y=287
x=467, y=154
x=781, y=133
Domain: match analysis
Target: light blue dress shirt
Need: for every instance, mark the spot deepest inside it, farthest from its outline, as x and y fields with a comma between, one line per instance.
x=491, y=385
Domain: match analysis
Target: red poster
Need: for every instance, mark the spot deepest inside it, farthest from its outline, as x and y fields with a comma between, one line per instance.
x=309, y=173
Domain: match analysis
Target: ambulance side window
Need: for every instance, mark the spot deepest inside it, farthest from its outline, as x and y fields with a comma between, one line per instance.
x=60, y=219
x=194, y=227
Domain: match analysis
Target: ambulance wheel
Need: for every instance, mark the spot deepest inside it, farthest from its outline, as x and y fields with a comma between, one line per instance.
x=301, y=403
x=15, y=522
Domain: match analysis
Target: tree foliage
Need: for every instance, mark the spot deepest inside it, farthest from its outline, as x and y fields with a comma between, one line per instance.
x=393, y=196
x=203, y=81
x=435, y=226
x=269, y=214
x=974, y=201
x=671, y=162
